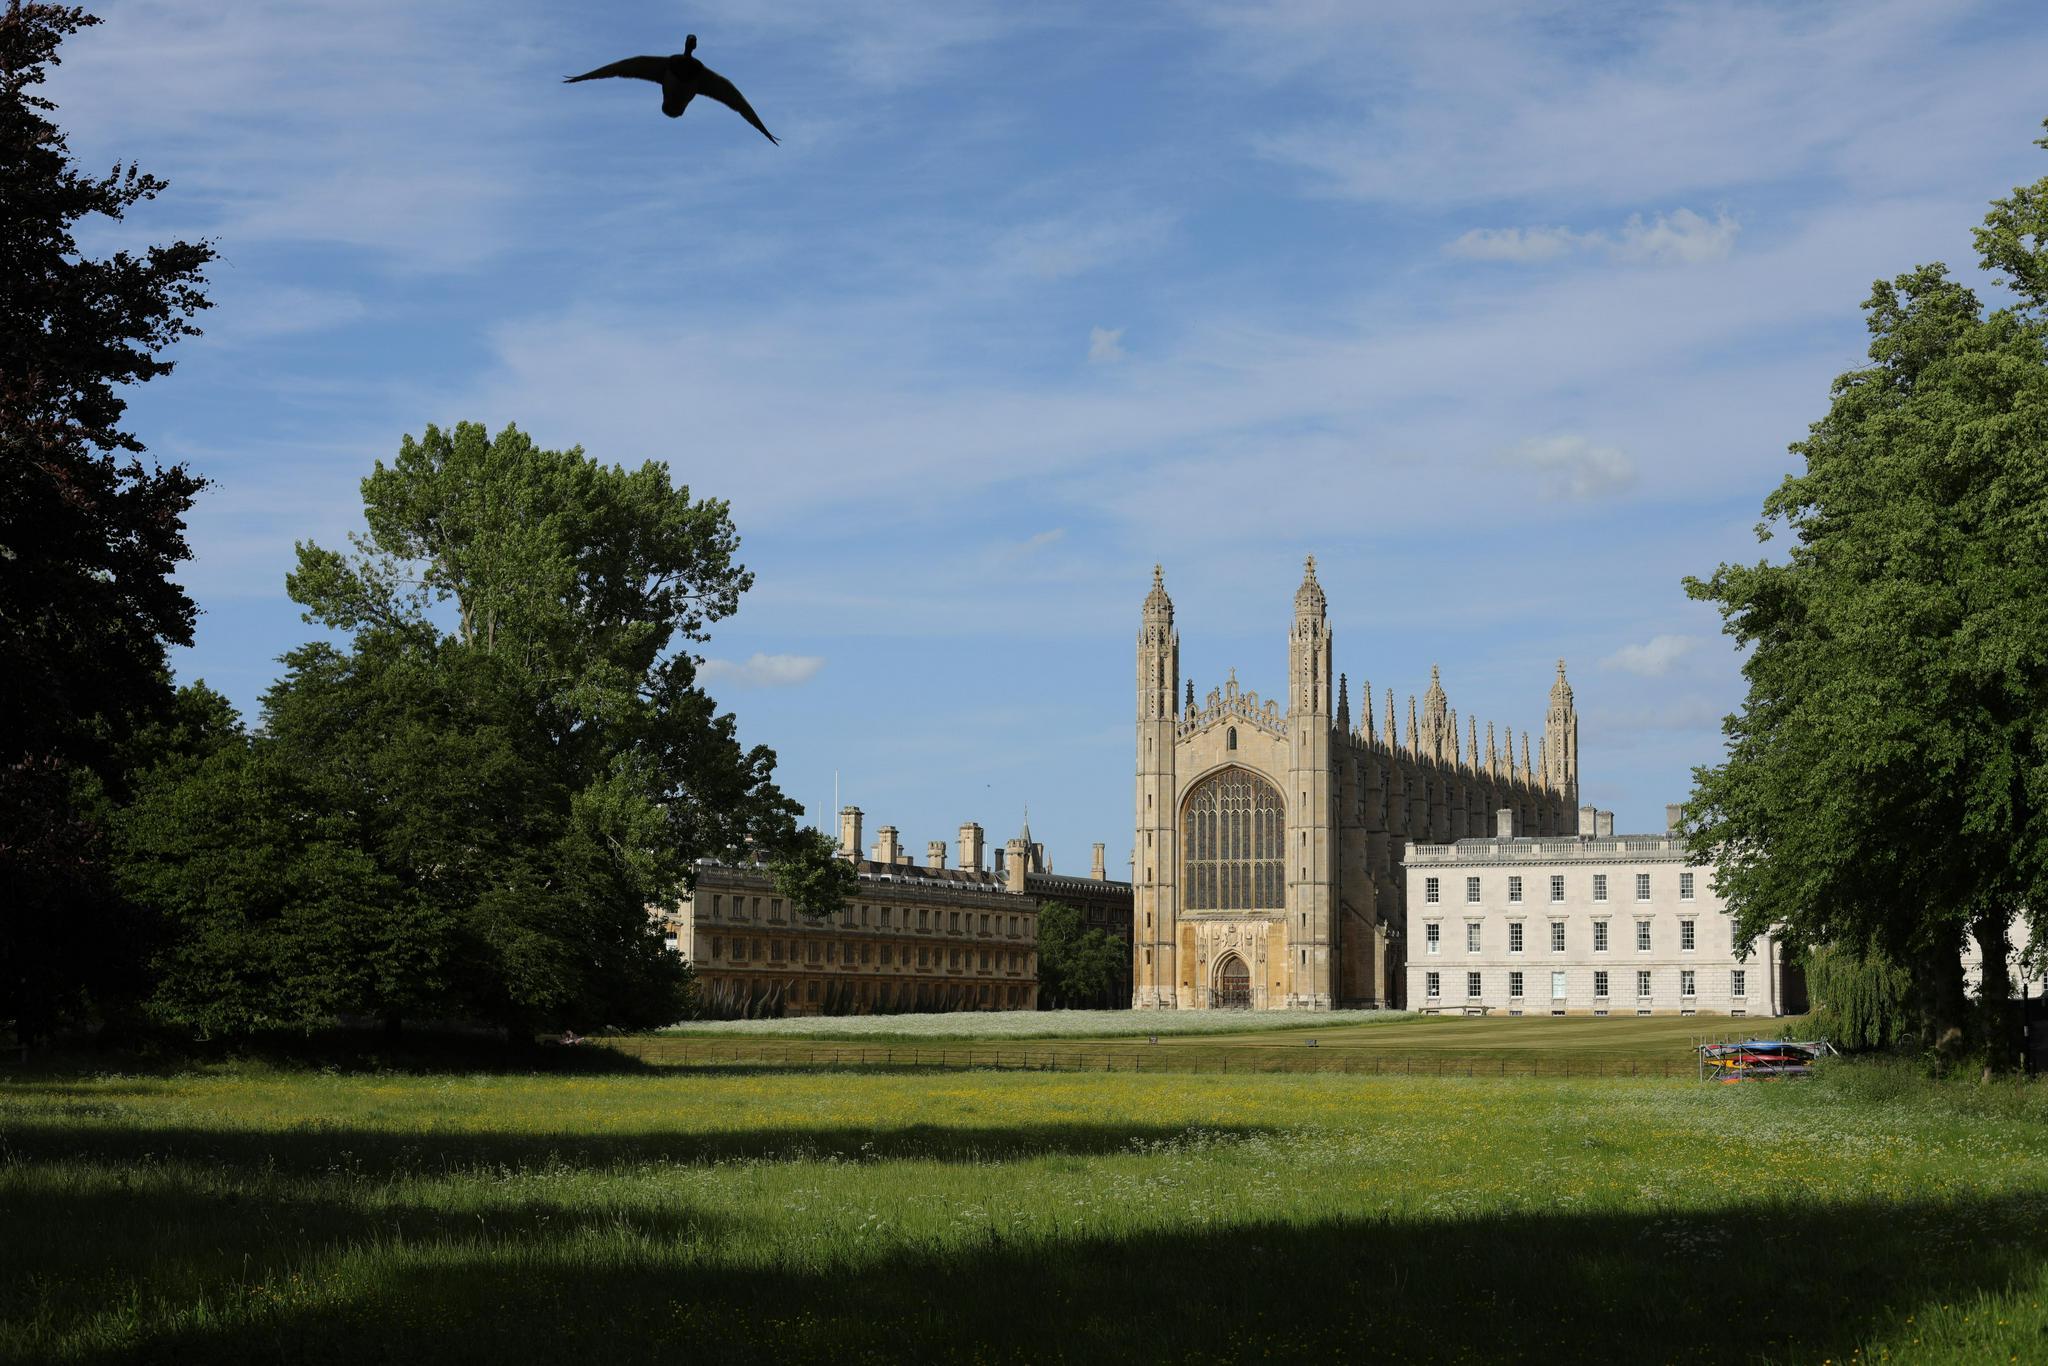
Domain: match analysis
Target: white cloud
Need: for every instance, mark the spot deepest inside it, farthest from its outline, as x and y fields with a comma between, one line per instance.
x=1573, y=467
x=1654, y=658
x=1680, y=237
x=760, y=670
x=1106, y=345
x=1042, y=540
x=1516, y=244
x=1683, y=237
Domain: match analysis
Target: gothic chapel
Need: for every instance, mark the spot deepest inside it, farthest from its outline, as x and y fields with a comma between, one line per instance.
x=1269, y=843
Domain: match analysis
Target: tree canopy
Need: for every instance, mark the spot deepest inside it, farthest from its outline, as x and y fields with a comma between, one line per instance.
x=1077, y=966
x=470, y=798
x=1885, y=788
x=89, y=533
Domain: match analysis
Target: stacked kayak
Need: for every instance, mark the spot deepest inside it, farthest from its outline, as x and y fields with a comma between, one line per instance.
x=1760, y=1059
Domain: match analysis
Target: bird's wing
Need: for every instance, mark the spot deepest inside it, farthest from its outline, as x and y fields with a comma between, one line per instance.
x=639, y=68
x=713, y=86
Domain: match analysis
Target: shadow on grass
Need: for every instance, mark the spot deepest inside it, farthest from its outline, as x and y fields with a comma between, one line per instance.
x=1793, y=1282
x=425, y=1052
x=326, y=1149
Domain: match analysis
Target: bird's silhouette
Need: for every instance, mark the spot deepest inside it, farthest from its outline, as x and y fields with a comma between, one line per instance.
x=682, y=78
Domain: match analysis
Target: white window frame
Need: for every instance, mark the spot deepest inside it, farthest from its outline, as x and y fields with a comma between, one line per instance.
x=1515, y=985
x=1599, y=886
x=1738, y=980
x=1642, y=886
x=1556, y=888
x=1432, y=890
x=1558, y=984
x=1688, y=935
x=1472, y=983
x=1472, y=936
x=1643, y=936
x=1432, y=985
x=1643, y=984
x=1688, y=982
x=1471, y=891
x=1433, y=936
x=1515, y=889
x=1600, y=984
x=1557, y=936
x=1515, y=936
x=1600, y=936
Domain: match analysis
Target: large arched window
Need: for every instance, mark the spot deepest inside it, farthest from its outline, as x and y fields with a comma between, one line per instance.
x=1232, y=841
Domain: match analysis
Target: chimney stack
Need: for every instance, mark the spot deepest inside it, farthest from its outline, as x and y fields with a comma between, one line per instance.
x=1589, y=817
x=1606, y=827
x=970, y=847
x=1097, y=871
x=935, y=854
x=849, y=831
x=887, y=850
x=1504, y=823
x=1674, y=813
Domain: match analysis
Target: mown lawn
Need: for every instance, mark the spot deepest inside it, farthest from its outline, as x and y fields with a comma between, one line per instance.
x=1359, y=1042
x=242, y=1213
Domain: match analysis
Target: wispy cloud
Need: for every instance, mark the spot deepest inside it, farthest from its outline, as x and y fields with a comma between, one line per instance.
x=1515, y=244
x=1571, y=466
x=1681, y=237
x=760, y=670
x=1106, y=345
x=1654, y=658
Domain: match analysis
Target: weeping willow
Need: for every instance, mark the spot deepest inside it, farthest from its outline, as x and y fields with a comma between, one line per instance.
x=1861, y=1001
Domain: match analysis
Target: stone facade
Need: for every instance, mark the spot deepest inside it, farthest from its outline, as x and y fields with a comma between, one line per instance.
x=1267, y=867
x=1595, y=924
x=910, y=937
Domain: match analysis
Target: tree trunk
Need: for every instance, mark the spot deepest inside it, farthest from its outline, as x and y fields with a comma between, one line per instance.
x=1998, y=1022
x=1943, y=1010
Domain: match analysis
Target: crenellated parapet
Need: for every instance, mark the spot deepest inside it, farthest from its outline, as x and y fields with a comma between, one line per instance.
x=1233, y=703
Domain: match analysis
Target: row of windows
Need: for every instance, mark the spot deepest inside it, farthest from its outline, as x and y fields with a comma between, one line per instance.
x=738, y=950
x=884, y=994
x=1688, y=984
x=1433, y=892
x=877, y=917
x=1688, y=936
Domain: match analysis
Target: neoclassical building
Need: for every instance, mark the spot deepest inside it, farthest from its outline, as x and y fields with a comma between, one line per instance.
x=1269, y=843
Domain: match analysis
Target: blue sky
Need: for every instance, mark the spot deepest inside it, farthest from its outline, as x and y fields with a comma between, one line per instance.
x=1506, y=312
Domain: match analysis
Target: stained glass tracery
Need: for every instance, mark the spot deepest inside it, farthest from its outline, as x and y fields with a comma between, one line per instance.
x=1233, y=837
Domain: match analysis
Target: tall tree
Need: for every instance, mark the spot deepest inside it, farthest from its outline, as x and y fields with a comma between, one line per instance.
x=89, y=533
x=515, y=729
x=1885, y=790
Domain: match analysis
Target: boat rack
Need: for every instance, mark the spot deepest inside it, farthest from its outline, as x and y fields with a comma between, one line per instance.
x=1727, y=1060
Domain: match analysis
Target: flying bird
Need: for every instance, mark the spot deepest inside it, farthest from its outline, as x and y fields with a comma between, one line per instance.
x=682, y=78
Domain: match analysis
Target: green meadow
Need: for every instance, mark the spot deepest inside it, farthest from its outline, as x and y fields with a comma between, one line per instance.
x=623, y=1212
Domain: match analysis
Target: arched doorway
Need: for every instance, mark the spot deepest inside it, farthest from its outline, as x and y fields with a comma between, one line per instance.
x=1233, y=984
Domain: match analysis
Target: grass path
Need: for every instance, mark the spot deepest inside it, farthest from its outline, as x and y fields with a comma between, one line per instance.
x=1376, y=1045
x=245, y=1213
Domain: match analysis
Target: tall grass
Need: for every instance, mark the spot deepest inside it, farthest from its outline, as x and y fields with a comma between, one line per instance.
x=1039, y=1024
x=238, y=1213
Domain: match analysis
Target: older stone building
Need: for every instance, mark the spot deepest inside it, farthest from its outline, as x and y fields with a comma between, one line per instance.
x=1267, y=872
x=911, y=937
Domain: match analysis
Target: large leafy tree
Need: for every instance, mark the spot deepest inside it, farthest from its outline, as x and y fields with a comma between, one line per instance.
x=514, y=732
x=1885, y=790
x=1077, y=966
x=89, y=533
